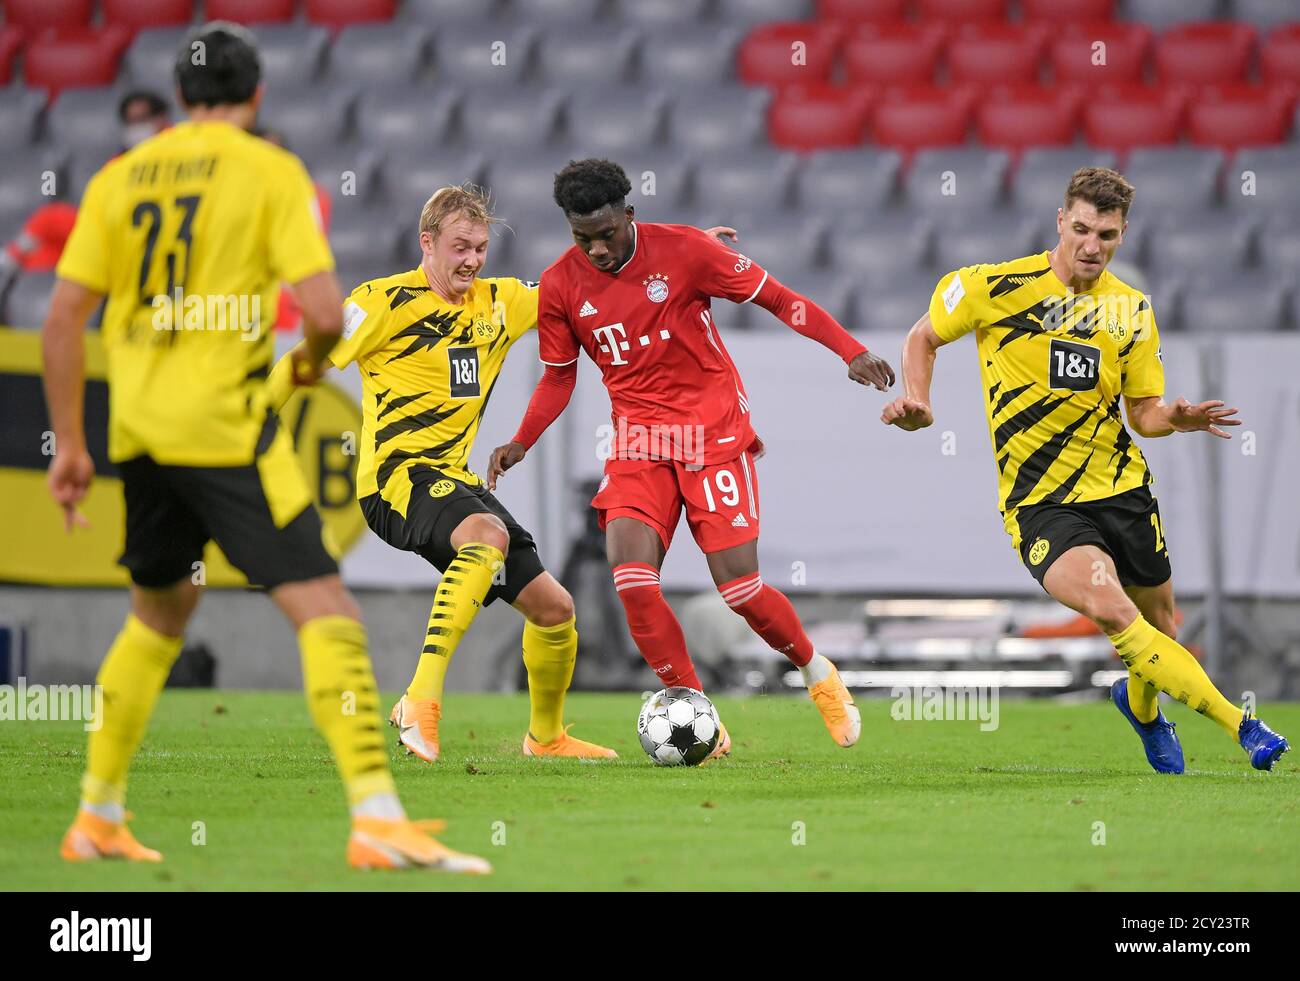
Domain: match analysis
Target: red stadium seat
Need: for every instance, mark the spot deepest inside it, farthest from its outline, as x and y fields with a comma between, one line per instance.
x=251, y=11
x=1279, y=56
x=1058, y=12
x=137, y=14
x=1210, y=51
x=890, y=54
x=961, y=11
x=37, y=15
x=989, y=53
x=340, y=13
x=1076, y=56
x=916, y=117
x=11, y=39
x=61, y=60
x=769, y=54
x=1230, y=117
x=860, y=11
x=817, y=117
x=1028, y=117
x=1120, y=117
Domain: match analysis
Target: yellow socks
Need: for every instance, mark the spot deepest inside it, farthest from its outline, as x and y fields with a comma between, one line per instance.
x=549, y=655
x=341, y=694
x=132, y=676
x=1156, y=660
x=458, y=599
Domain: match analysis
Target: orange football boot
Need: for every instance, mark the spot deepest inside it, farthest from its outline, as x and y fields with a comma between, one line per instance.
x=839, y=713
x=376, y=843
x=416, y=720
x=566, y=745
x=92, y=837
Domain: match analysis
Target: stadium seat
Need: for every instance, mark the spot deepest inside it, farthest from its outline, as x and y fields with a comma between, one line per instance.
x=59, y=61
x=371, y=54
x=330, y=166
x=674, y=16
x=661, y=181
x=355, y=237
x=1058, y=12
x=1279, y=55
x=1027, y=117
x=893, y=307
x=11, y=41
x=613, y=121
x=996, y=53
x=1262, y=181
x=535, y=248
x=250, y=11
x=291, y=53
x=1264, y=14
x=441, y=14
x=744, y=13
x=915, y=117
x=487, y=54
x=848, y=180
x=411, y=177
x=862, y=11
x=962, y=179
x=551, y=12
x=691, y=61
x=522, y=187
x=962, y=11
x=785, y=242
x=81, y=117
x=1217, y=51
x=510, y=119
x=1173, y=178
x=28, y=299
x=82, y=164
x=1120, y=117
x=1074, y=53
x=1162, y=14
x=879, y=246
x=1038, y=185
x=22, y=177
x=1180, y=245
x=340, y=13
x=817, y=117
x=1278, y=247
x=727, y=182
x=38, y=15
x=834, y=292
x=586, y=56
x=149, y=62
x=1248, y=304
x=309, y=117
x=994, y=237
x=893, y=54
x=135, y=14
x=693, y=118
x=788, y=53
x=18, y=115
x=1231, y=117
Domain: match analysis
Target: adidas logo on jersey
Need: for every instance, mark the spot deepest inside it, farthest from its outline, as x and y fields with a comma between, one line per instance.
x=739, y=522
x=587, y=309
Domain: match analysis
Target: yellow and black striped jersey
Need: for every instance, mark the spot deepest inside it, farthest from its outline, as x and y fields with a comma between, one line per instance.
x=189, y=235
x=427, y=371
x=1054, y=364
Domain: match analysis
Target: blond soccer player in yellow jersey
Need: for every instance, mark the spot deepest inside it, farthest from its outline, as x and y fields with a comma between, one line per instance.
x=1061, y=341
x=187, y=236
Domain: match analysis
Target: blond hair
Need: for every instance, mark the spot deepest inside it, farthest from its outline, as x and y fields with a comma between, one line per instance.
x=469, y=200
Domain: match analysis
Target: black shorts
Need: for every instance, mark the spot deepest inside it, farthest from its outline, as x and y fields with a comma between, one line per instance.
x=436, y=506
x=261, y=515
x=1126, y=527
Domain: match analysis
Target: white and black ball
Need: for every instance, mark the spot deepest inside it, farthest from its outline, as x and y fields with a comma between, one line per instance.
x=678, y=727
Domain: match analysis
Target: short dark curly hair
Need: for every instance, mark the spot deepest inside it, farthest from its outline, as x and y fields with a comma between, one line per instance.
x=585, y=186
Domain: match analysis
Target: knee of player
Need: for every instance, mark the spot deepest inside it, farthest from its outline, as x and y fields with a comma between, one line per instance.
x=1165, y=621
x=558, y=609
x=490, y=531
x=1112, y=613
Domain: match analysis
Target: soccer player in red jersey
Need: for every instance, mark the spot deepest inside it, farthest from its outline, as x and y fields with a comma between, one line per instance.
x=635, y=296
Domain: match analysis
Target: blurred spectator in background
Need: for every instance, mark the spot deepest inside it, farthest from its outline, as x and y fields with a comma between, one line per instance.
x=142, y=114
x=36, y=249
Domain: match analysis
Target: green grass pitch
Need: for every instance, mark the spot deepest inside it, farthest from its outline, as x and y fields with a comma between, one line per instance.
x=913, y=805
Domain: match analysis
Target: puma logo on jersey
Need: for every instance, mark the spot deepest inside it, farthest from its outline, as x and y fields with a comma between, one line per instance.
x=587, y=309
x=739, y=522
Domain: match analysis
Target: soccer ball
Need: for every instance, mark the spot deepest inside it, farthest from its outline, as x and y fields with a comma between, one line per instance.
x=678, y=727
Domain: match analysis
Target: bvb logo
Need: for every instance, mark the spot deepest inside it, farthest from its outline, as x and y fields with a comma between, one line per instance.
x=442, y=488
x=1038, y=551
x=1116, y=328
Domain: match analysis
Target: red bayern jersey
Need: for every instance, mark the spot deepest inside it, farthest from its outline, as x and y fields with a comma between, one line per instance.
x=649, y=329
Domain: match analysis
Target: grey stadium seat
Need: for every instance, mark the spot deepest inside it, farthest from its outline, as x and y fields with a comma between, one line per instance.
x=667, y=19
x=880, y=248
x=613, y=121
x=411, y=178
x=310, y=118
x=1172, y=178
x=487, y=54
x=1161, y=14
x=19, y=111
x=150, y=60
x=1039, y=182
x=451, y=13
x=661, y=181
x=1166, y=292
x=346, y=170
x=1264, y=14
x=356, y=237
x=22, y=178
x=84, y=117
x=291, y=53
x=1200, y=244
x=1236, y=306
x=691, y=60
x=402, y=117
x=895, y=307
x=1275, y=171
x=28, y=300
x=82, y=165
x=587, y=55
x=380, y=54
x=536, y=246
x=523, y=190
x=837, y=181
x=751, y=12
x=732, y=116
x=1278, y=247
x=571, y=12
x=834, y=292
x=787, y=242
x=726, y=181
x=994, y=237
x=977, y=180
x=518, y=120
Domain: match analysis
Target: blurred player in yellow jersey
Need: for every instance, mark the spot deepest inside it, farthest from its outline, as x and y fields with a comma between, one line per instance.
x=187, y=236
x=1061, y=341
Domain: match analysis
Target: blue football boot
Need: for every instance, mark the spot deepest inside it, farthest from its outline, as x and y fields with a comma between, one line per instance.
x=1262, y=743
x=1164, y=752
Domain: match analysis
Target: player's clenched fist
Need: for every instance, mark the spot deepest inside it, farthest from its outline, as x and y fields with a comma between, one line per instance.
x=867, y=369
x=907, y=413
x=503, y=458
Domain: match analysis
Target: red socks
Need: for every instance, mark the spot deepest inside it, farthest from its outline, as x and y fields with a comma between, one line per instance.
x=770, y=615
x=655, y=629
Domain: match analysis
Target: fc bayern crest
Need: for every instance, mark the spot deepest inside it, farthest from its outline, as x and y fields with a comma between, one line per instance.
x=656, y=287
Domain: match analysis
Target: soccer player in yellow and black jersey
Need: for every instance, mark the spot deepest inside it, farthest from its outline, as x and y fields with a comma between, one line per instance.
x=429, y=344
x=187, y=236
x=1061, y=341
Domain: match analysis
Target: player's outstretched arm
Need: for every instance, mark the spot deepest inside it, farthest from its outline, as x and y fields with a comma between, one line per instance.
x=321, y=302
x=1154, y=417
x=550, y=398
x=912, y=411
x=63, y=349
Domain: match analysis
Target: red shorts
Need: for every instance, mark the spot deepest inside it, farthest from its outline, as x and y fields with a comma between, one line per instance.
x=721, y=501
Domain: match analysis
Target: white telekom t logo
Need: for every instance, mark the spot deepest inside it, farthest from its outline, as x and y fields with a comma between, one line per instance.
x=610, y=343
